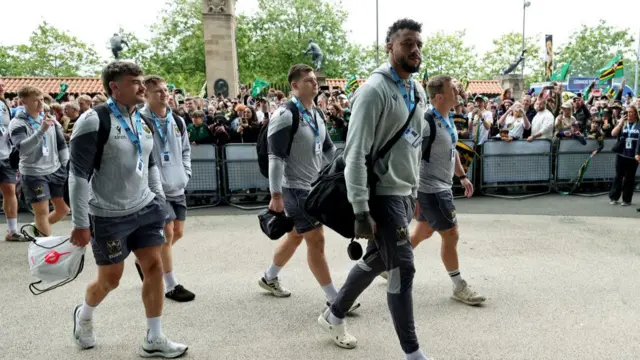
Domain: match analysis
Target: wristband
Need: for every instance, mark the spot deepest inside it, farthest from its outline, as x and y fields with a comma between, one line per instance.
x=462, y=177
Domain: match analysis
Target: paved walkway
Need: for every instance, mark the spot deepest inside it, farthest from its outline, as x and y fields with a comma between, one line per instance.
x=559, y=287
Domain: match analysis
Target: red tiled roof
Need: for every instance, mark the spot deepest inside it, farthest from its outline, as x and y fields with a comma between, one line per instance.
x=51, y=85
x=484, y=87
x=342, y=82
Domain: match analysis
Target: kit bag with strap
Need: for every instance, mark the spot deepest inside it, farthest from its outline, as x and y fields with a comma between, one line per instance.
x=327, y=201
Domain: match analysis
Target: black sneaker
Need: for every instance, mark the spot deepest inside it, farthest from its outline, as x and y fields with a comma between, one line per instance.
x=180, y=294
x=139, y=271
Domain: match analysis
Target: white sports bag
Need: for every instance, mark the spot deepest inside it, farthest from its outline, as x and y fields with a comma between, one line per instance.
x=54, y=261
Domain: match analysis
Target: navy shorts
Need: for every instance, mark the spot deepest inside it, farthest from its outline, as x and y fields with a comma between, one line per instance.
x=114, y=238
x=438, y=210
x=176, y=209
x=294, y=200
x=45, y=187
x=7, y=174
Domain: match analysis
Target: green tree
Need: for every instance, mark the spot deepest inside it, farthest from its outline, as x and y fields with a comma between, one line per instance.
x=53, y=52
x=275, y=37
x=590, y=48
x=138, y=50
x=447, y=54
x=507, y=49
x=9, y=63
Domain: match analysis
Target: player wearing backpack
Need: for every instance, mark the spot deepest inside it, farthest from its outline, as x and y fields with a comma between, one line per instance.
x=172, y=152
x=125, y=210
x=294, y=163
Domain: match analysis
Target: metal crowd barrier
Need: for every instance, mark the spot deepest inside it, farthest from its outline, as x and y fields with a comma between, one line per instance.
x=243, y=181
x=517, y=164
x=571, y=155
x=204, y=185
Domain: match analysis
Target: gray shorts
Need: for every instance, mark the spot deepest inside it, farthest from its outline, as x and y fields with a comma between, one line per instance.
x=7, y=174
x=176, y=209
x=114, y=238
x=294, y=200
x=42, y=188
x=438, y=210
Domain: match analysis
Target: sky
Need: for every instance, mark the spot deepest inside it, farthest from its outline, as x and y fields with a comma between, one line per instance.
x=483, y=21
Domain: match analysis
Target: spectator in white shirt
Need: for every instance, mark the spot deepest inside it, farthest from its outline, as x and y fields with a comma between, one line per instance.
x=542, y=127
x=480, y=121
x=515, y=121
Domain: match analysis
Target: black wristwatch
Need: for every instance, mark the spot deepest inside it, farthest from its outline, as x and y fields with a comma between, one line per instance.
x=462, y=177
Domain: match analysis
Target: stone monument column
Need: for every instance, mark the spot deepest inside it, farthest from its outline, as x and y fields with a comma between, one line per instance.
x=515, y=82
x=221, y=56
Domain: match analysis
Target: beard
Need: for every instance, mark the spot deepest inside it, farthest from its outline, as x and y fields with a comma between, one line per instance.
x=408, y=67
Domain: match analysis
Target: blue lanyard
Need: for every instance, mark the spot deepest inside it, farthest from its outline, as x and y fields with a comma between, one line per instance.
x=307, y=118
x=447, y=124
x=36, y=126
x=135, y=138
x=162, y=131
x=409, y=100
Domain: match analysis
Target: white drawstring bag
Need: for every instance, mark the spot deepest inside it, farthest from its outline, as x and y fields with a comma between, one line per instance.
x=54, y=261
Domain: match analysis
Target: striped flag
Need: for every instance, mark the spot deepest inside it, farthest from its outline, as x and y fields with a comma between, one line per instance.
x=614, y=69
x=352, y=85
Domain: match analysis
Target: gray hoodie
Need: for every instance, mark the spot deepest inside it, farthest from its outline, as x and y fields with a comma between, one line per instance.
x=378, y=112
x=176, y=173
x=5, y=144
x=30, y=143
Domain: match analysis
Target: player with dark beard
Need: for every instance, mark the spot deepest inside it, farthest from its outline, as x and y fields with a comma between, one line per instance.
x=381, y=107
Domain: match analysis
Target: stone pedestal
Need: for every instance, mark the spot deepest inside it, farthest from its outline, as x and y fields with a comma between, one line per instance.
x=322, y=78
x=515, y=82
x=221, y=57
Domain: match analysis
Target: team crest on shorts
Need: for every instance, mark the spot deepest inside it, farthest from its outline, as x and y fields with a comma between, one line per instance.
x=114, y=246
x=39, y=190
x=402, y=233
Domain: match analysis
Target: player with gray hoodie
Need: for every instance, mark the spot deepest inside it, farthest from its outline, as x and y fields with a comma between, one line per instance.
x=380, y=109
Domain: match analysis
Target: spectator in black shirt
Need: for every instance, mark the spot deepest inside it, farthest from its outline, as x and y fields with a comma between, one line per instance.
x=581, y=112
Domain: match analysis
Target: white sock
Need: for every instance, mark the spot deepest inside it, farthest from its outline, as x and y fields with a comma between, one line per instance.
x=272, y=271
x=170, y=281
x=13, y=225
x=331, y=292
x=416, y=355
x=457, y=279
x=86, y=311
x=155, y=328
x=332, y=319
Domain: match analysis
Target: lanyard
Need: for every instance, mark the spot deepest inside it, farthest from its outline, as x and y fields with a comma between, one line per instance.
x=447, y=124
x=164, y=133
x=409, y=100
x=36, y=126
x=135, y=138
x=307, y=118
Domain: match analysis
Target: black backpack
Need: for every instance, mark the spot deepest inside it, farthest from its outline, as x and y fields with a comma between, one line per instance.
x=426, y=150
x=262, y=145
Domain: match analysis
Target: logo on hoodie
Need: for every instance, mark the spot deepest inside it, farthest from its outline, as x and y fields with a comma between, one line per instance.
x=394, y=97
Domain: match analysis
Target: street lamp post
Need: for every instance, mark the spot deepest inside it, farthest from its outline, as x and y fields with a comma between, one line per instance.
x=525, y=5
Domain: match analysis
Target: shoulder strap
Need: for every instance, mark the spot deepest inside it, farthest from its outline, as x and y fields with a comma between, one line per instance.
x=426, y=152
x=385, y=149
x=180, y=122
x=295, y=122
x=104, y=128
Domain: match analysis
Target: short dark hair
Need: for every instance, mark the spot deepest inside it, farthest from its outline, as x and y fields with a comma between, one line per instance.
x=435, y=85
x=153, y=80
x=401, y=25
x=117, y=69
x=198, y=114
x=296, y=72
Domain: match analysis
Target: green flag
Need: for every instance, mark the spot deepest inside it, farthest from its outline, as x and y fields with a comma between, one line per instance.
x=561, y=74
x=352, y=85
x=63, y=90
x=613, y=69
x=258, y=86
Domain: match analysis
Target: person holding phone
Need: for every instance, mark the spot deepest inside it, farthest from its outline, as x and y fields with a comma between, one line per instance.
x=628, y=149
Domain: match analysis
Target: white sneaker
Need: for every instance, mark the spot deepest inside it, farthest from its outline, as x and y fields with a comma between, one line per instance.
x=626, y=204
x=83, y=330
x=468, y=296
x=613, y=202
x=338, y=333
x=162, y=347
x=273, y=286
x=384, y=275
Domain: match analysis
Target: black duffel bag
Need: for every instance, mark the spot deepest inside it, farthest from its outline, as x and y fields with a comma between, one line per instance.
x=327, y=202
